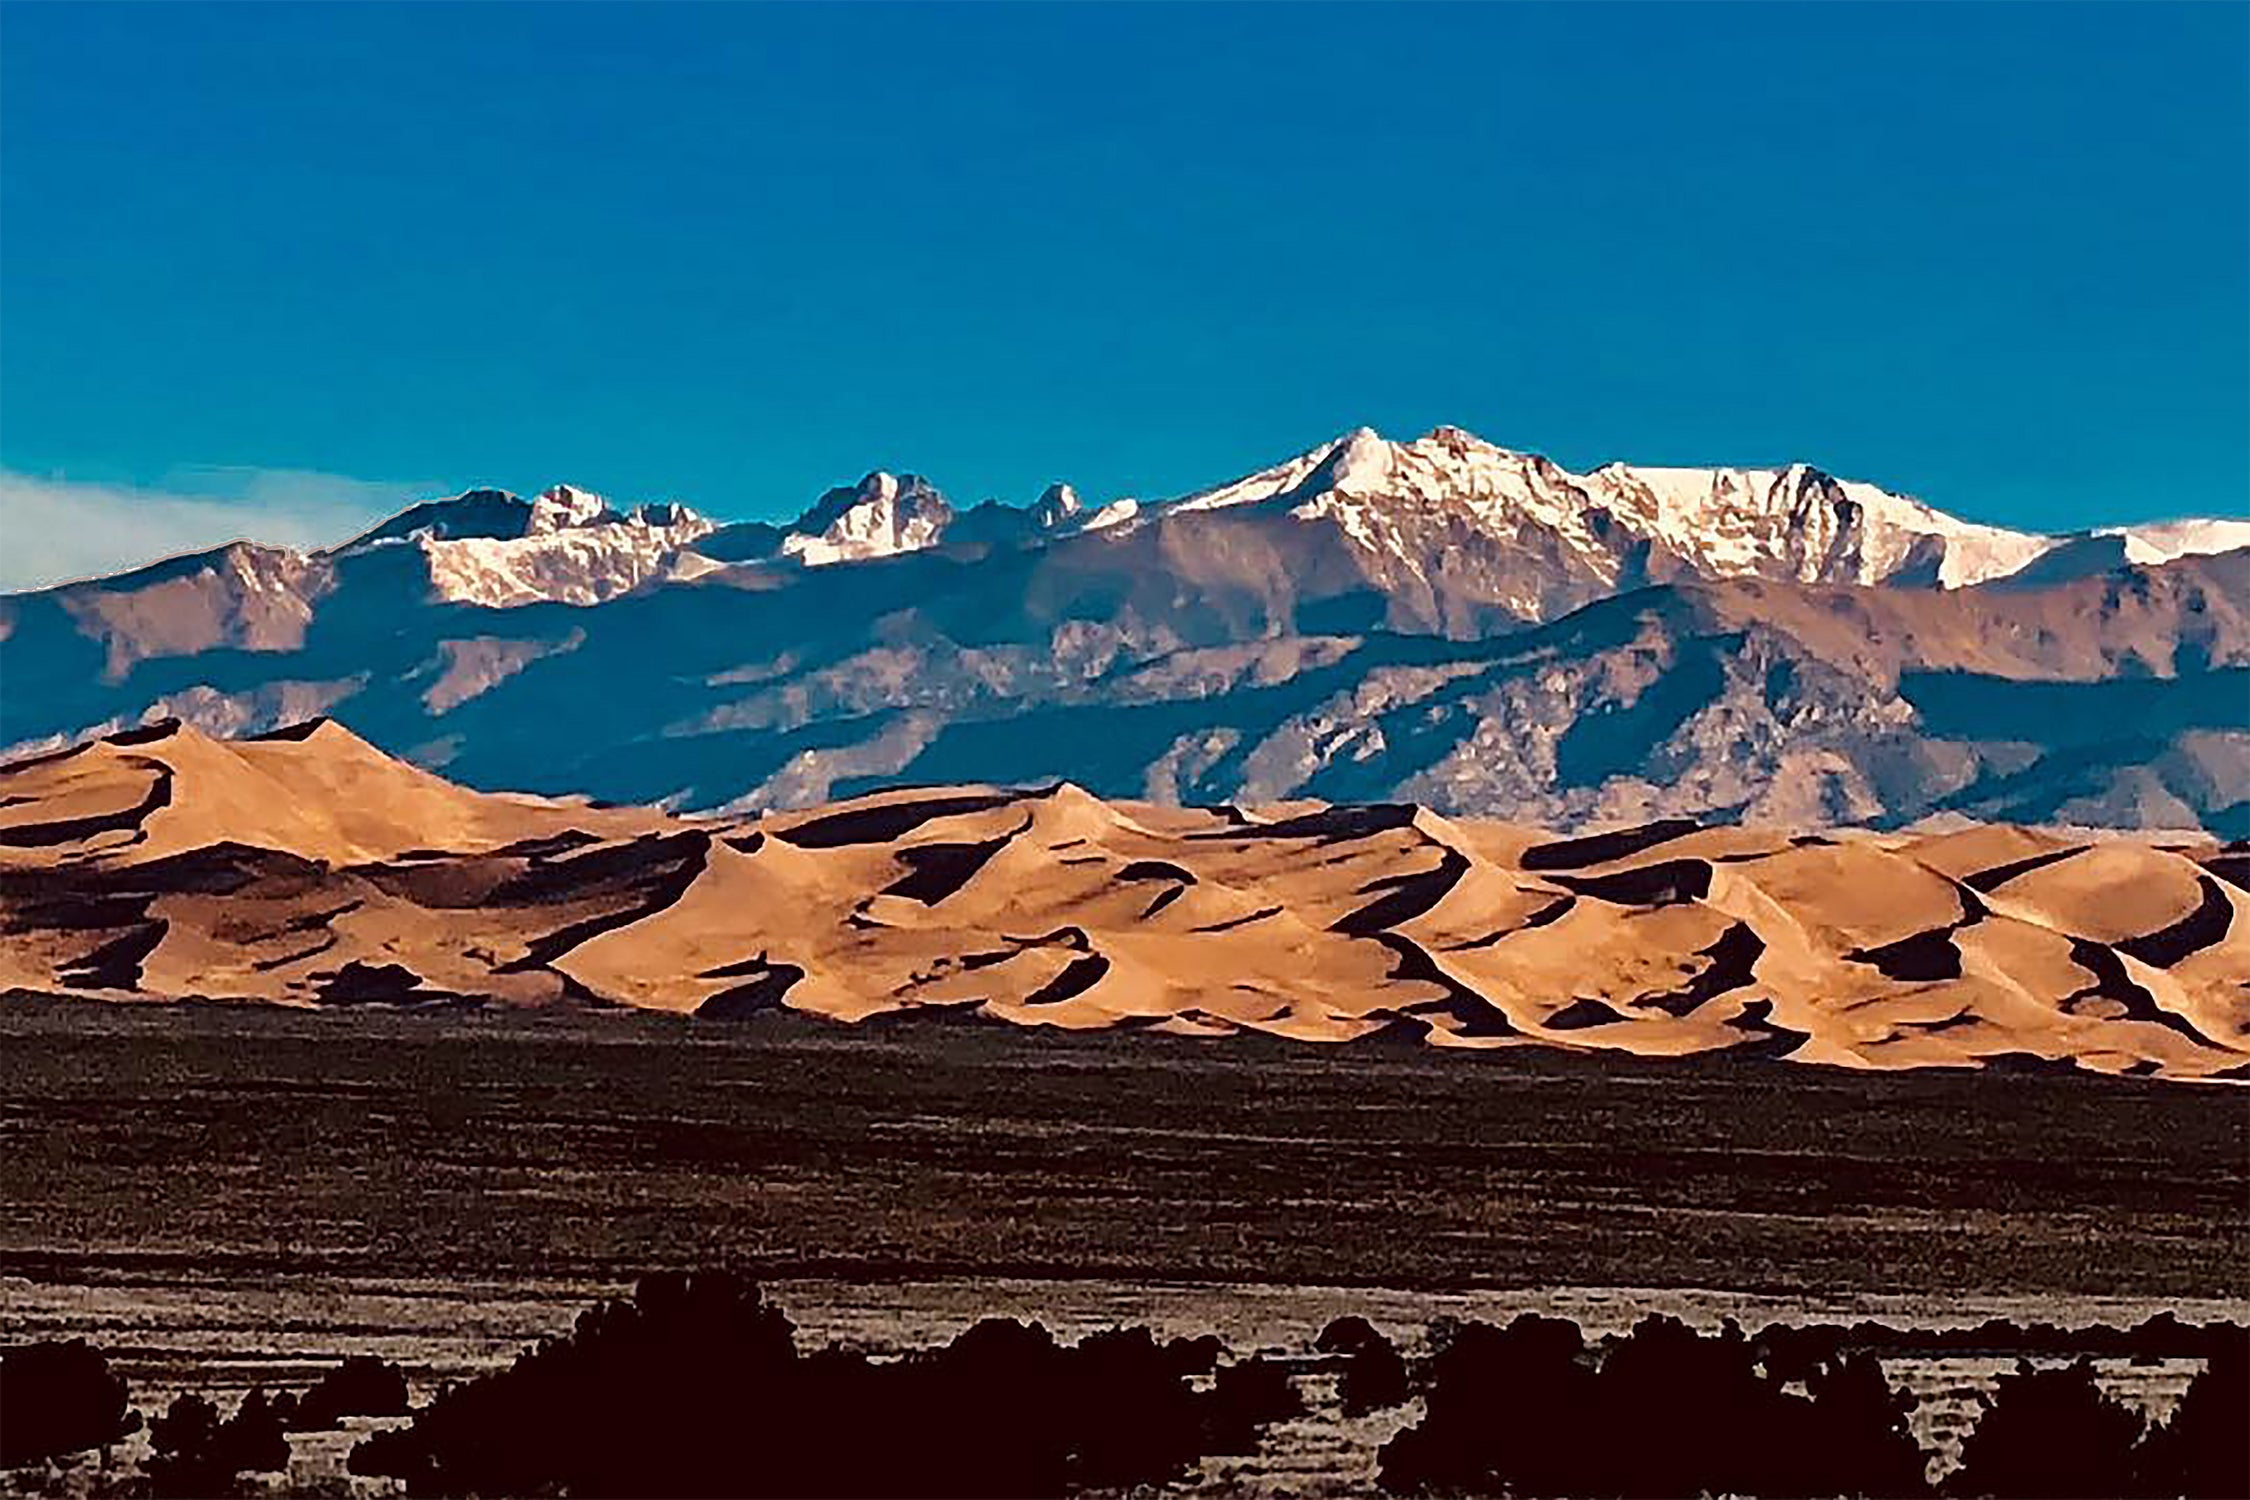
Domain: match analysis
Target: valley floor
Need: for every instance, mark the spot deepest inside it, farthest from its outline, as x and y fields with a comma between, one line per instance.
x=247, y=1143
x=229, y=1197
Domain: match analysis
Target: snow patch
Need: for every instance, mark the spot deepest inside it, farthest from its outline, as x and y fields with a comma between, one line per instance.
x=2162, y=541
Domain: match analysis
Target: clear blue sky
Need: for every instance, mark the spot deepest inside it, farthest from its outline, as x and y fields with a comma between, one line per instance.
x=1997, y=256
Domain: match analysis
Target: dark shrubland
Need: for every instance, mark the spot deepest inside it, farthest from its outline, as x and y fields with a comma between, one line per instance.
x=58, y=1399
x=197, y=1456
x=362, y=1386
x=2203, y=1448
x=1375, y=1375
x=696, y=1387
x=1197, y=1356
x=2053, y=1433
x=1245, y=1398
x=1531, y=1409
x=2050, y=1434
x=2162, y=1336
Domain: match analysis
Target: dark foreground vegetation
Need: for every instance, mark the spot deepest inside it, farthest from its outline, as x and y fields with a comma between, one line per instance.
x=193, y=1452
x=57, y=1400
x=631, y=1401
x=60, y=1398
x=696, y=1387
x=154, y=1141
x=1532, y=1409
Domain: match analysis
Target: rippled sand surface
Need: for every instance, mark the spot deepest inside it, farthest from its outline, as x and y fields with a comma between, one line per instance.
x=308, y=868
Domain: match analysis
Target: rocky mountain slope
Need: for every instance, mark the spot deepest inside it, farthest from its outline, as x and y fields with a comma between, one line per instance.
x=307, y=868
x=1440, y=621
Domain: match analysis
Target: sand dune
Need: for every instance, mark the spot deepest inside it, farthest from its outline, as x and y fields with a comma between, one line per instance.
x=307, y=868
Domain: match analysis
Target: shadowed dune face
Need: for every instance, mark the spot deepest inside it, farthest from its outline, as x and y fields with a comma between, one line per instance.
x=309, y=869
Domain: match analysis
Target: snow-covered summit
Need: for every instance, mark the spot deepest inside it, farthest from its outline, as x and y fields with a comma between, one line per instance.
x=881, y=516
x=2162, y=541
x=563, y=507
x=1535, y=537
x=1797, y=522
x=566, y=545
x=1057, y=508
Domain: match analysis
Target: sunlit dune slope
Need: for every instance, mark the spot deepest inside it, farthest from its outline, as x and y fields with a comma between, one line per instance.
x=308, y=868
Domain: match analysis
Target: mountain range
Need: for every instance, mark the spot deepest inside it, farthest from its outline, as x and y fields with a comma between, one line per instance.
x=308, y=868
x=1443, y=622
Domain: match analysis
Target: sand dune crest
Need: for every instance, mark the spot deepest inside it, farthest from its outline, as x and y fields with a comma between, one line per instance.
x=308, y=868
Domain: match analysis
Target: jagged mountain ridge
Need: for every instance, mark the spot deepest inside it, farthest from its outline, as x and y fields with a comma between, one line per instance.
x=1416, y=505
x=307, y=868
x=1616, y=527
x=1351, y=625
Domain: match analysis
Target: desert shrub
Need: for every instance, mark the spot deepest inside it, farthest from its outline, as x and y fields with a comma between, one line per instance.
x=2162, y=1336
x=696, y=1387
x=1509, y=1410
x=1118, y=1414
x=652, y=1396
x=1792, y=1354
x=1196, y=1356
x=362, y=1386
x=1530, y=1410
x=1244, y=1399
x=2203, y=1448
x=1347, y=1335
x=1440, y=1332
x=1859, y=1429
x=58, y=1399
x=1375, y=1376
x=194, y=1454
x=2048, y=1433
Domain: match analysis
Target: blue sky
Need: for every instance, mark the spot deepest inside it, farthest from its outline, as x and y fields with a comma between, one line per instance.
x=733, y=254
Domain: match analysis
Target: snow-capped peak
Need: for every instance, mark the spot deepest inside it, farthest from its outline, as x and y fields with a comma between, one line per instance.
x=563, y=506
x=482, y=511
x=884, y=514
x=566, y=546
x=1539, y=535
x=1057, y=506
x=2108, y=548
x=1793, y=522
x=1800, y=522
x=2162, y=541
x=1119, y=512
x=1340, y=464
x=500, y=516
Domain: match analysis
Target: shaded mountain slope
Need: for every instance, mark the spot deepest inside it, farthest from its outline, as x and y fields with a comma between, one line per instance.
x=1214, y=657
x=1439, y=621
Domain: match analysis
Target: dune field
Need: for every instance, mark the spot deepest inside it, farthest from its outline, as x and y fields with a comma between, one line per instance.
x=307, y=868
